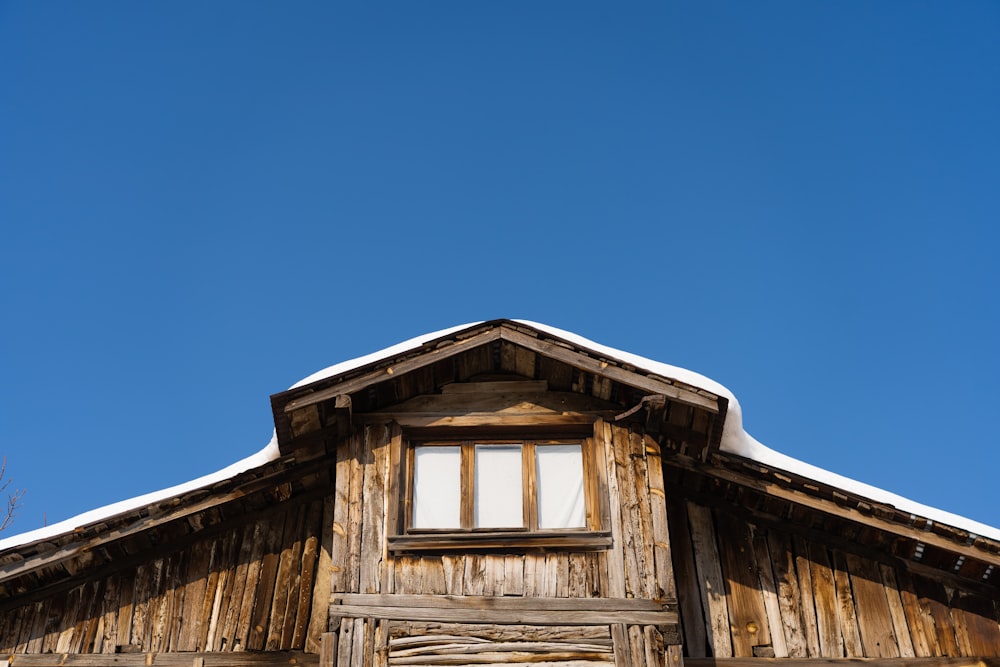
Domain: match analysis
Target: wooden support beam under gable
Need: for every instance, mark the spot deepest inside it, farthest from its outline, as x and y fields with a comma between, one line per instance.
x=613, y=372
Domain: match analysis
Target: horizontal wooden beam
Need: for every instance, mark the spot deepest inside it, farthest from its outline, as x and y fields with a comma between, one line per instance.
x=615, y=373
x=422, y=359
x=508, y=602
x=505, y=610
x=442, y=419
x=178, y=659
x=842, y=662
x=512, y=540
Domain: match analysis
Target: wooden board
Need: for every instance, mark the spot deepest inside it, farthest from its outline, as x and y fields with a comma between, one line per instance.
x=688, y=591
x=711, y=584
x=875, y=619
x=747, y=615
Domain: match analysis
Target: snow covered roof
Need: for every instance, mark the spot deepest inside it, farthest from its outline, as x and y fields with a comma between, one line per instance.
x=735, y=440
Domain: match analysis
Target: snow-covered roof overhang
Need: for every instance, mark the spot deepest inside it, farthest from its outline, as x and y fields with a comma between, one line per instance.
x=649, y=375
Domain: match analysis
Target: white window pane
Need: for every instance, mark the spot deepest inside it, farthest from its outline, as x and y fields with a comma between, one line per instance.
x=498, y=486
x=560, y=486
x=437, y=487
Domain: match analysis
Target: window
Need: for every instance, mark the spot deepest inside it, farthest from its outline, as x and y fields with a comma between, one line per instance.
x=497, y=493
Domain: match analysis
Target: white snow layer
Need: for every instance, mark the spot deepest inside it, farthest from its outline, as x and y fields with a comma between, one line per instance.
x=734, y=440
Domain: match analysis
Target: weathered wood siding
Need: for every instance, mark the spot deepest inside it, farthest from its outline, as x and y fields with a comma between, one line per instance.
x=247, y=588
x=637, y=566
x=754, y=590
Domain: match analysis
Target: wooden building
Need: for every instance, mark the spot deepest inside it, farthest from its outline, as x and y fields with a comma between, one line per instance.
x=504, y=493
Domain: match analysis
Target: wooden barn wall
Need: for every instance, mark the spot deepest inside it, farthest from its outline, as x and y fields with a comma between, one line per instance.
x=637, y=567
x=751, y=590
x=248, y=588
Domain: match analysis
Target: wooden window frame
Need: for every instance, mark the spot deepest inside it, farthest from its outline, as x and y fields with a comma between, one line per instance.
x=402, y=536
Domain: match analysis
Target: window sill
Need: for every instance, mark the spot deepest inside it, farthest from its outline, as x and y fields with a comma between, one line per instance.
x=502, y=541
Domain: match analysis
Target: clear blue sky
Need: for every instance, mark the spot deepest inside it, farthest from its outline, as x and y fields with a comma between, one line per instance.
x=203, y=202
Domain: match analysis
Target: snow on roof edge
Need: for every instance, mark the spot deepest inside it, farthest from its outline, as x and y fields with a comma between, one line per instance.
x=266, y=455
x=735, y=440
x=269, y=453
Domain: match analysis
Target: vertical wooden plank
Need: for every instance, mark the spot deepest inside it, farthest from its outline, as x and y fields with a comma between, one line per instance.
x=222, y=570
x=345, y=643
x=524, y=362
x=394, y=496
x=921, y=626
x=643, y=521
x=561, y=588
x=19, y=639
x=6, y=643
x=517, y=359
x=91, y=621
x=159, y=623
x=962, y=637
x=769, y=592
x=825, y=598
x=140, y=604
x=688, y=594
x=636, y=644
x=534, y=569
x=341, y=518
x=454, y=574
x=653, y=644
x=242, y=614
x=327, y=649
x=675, y=656
x=36, y=635
x=181, y=562
x=194, y=583
x=322, y=577
x=218, y=546
x=287, y=564
x=358, y=655
x=900, y=627
x=73, y=602
x=787, y=590
x=373, y=544
x=747, y=615
x=577, y=585
x=126, y=592
x=409, y=575
x=475, y=579
x=266, y=583
x=629, y=511
x=369, y=643
x=232, y=600
x=875, y=618
x=710, y=581
x=513, y=583
x=665, y=585
x=434, y=580
x=845, y=605
x=808, y=606
x=355, y=510
x=299, y=601
x=978, y=616
x=934, y=604
x=89, y=606
x=381, y=657
x=109, y=611
x=619, y=643
x=295, y=602
x=53, y=621
x=493, y=572
x=615, y=555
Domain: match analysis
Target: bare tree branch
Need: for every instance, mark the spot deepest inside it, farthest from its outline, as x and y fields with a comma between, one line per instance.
x=13, y=497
